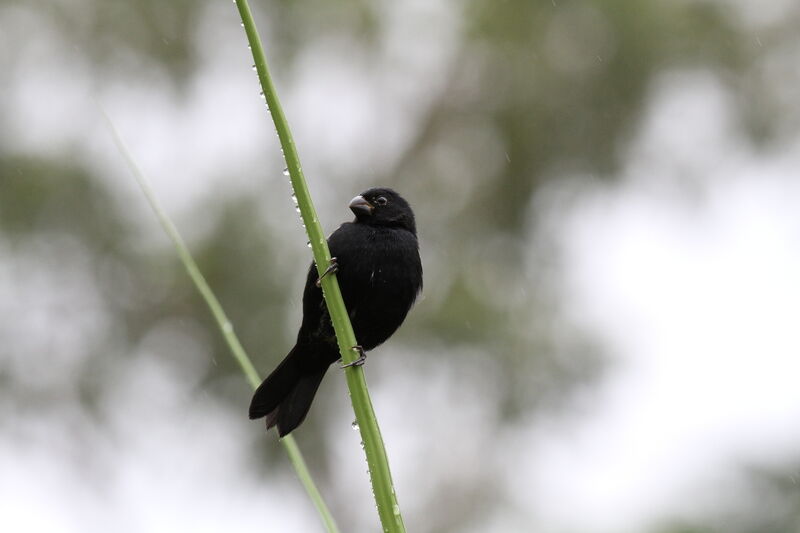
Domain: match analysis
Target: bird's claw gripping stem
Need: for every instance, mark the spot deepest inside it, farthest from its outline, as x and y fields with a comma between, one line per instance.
x=362, y=357
x=332, y=268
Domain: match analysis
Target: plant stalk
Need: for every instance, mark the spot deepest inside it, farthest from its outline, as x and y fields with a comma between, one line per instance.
x=225, y=326
x=380, y=475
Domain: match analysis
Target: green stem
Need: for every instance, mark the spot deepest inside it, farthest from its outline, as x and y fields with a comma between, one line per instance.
x=295, y=456
x=388, y=509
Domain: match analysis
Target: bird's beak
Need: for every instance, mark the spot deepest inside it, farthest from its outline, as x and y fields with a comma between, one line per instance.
x=360, y=206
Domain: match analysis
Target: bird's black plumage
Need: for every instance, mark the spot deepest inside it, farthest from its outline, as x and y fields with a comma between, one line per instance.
x=379, y=273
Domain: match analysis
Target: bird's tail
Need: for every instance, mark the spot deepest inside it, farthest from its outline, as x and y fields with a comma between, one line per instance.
x=286, y=395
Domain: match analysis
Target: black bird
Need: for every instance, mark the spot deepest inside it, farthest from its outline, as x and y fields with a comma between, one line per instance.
x=379, y=271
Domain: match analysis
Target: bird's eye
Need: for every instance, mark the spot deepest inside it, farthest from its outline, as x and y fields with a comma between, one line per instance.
x=381, y=200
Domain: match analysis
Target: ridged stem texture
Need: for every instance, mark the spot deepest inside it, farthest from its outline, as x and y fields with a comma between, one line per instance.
x=378, y=463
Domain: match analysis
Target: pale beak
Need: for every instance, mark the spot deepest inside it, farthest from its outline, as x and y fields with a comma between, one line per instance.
x=360, y=206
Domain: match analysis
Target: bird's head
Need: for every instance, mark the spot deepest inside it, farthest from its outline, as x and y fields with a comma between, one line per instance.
x=383, y=207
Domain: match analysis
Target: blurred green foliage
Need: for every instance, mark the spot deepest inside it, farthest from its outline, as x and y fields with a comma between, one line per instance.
x=533, y=89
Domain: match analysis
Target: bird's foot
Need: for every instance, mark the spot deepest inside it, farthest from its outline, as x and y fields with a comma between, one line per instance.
x=362, y=357
x=332, y=268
